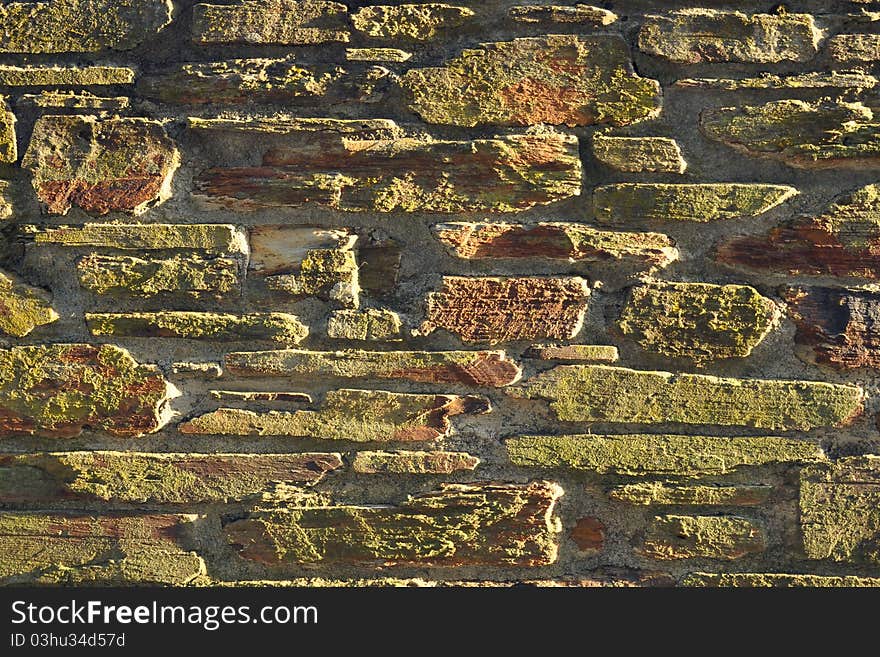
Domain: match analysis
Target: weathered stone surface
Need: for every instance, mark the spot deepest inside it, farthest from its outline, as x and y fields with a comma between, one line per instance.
x=820, y=134
x=660, y=454
x=557, y=241
x=698, y=321
x=379, y=259
x=777, y=580
x=280, y=249
x=401, y=462
x=327, y=273
x=810, y=80
x=5, y=204
x=271, y=22
x=709, y=537
x=691, y=36
x=76, y=549
x=283, y=328
x=854, y=47
x=597, y=579
x=58, y=390
x=185, y=276
x=242, y=81
x=207, y=370
x=458, y=525
x=477, y=368
x=589, y=535
x=842, y=241
x=639, y=154
x=421, y=22
x=557, y=79
x=63, y=26
x=168, y=478
x=503, y=174
x=212, y=238
x=355, y=415
x=23, y=308
x=8, y=143
x=497, y=310
x=75, y=101
x=839, y=325
x=378, y=325
x=565, y=14
x=261, y=396
x=624, y=204
x=377, y=55
x=660, y=493
x=840, y=510
x=599, y=353
x=603, y=393
x=65, y=76
x=100, y=165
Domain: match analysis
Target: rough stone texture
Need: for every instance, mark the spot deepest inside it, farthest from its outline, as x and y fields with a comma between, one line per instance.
x=811, y=80
x=63, y=26
x=136, y=478
x=699, y=321
x=566, y=14
x=498, y=310
x=421, y=22
x=838, y=325
x=691, y=36
x=273, y=327
x=628, y=203
x=276, y=22
x=100, y=165
x=8, y=143
x=377, y=55
x=840, y=510
x=458, y=525
x=5, y=203
x=639, y=154
x=602, y=393
x=82, y=550
x=557, y=241
x=61, y=100
x=777, y=580
x=661, y=454
x=478, y=368
x=261, y=396
x=503, y=174
x=802, y=134
x=370, y=324
x=657, y=493
x=854, y=47
x=395, y=463
x=842, y=241
x=242, y=81
x=558, y=79
x=58, y=390
x=65, y=76
x=710, y=537
x=589, y=535
x=23, y=308
x=327, y=273
x=598, y=353
x=213, y=238
x=355, y=415
x=186, y=277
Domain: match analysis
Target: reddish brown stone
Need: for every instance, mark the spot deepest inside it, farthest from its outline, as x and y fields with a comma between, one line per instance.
x=843, y=241
x=840, y=326
x=505, y=309
x=589, y=535
x=458, y=525
x=100, y=165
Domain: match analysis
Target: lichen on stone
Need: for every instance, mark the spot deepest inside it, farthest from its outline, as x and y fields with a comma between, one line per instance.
x=8, y=143
x=212, y=238
x=639, y=154
x=271, y=22
x=23, y=308
x=558, y=79
x=373, y=324
x=660, y=493
x=698, y=321
x=409, y=22
x=710, y=537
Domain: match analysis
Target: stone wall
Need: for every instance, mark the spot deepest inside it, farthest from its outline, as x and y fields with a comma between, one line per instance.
x=337, y=293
